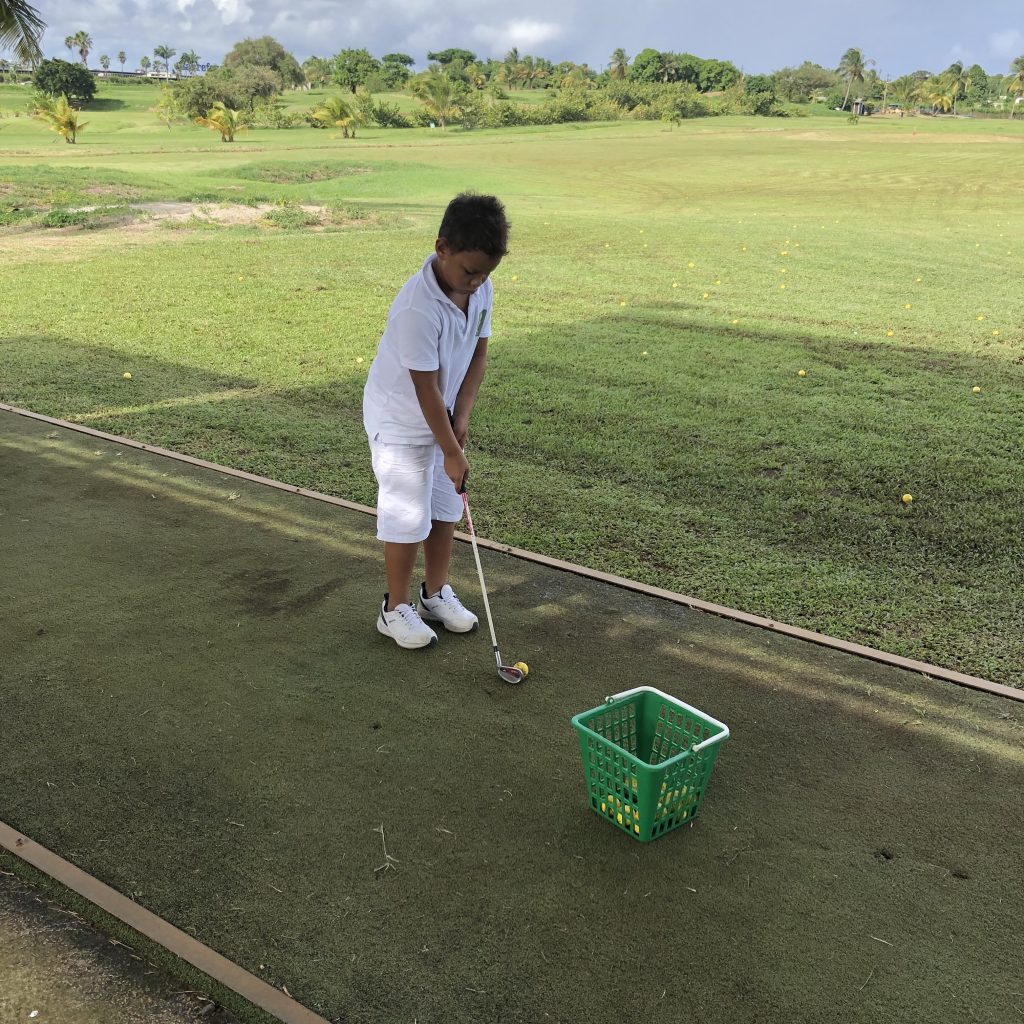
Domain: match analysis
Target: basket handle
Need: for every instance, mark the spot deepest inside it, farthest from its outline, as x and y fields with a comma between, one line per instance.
x=636, y=689
x=723, y=735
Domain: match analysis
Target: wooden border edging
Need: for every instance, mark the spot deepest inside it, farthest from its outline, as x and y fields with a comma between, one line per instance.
x=821, y=639
x=211, y=963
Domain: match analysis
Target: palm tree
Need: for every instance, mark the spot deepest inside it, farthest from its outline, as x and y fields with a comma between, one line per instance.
x=1016, y=86
x=578, y=77
x=534, y=70
x=69, y=42
x=517, y=75
x=164, y=53
x=619, y=64
x=223, y=119
x=122, y=57
x=439, y=94
x=317, y=70
x=144, y=63
x=189, y=61
x=851, y=69
x=105, y=62
x=509, y=64
x=956, y=79
x=941, y=99
x=83, y=43
x=20, y=29
x=60, y=116
x=476, y=75
x=334, y=110
x=905, y=90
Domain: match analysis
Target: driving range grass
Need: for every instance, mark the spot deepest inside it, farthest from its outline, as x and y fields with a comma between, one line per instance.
x=198, y=711
x=643, y=413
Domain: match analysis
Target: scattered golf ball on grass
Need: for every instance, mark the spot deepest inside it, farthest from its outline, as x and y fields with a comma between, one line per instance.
x=523, y=667
x=907, y=499
x=126, y=375
x=976, y=389
x=801, y=373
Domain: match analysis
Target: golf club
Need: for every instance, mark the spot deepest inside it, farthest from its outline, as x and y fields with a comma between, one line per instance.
x=509, y=673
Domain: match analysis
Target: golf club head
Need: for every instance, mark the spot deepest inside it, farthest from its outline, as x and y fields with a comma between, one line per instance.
x=511, y=674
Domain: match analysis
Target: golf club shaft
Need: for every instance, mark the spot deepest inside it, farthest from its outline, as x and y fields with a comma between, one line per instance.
x=480, y=573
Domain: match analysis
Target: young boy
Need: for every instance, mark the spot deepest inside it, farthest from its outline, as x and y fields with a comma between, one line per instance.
x=416, y=408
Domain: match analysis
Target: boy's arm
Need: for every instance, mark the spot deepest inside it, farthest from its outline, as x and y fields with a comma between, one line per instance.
x=428, y=394
x=466, y=398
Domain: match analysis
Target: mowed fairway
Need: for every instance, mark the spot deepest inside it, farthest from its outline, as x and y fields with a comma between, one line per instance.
x=643, y=412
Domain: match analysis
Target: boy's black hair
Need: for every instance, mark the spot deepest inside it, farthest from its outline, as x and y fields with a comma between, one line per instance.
x=475, y=222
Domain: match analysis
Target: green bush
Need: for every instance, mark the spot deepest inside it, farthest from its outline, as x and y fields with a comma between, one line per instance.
x=292, y=217
x=273, y=115
x=241, y=88
x=13, y=215
x=388, y=115
x=64, y=218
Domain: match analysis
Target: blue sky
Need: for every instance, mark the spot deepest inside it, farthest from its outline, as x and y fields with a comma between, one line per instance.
x=900, y=35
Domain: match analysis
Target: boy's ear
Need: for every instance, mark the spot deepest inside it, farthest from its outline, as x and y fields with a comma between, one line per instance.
x=441, y=247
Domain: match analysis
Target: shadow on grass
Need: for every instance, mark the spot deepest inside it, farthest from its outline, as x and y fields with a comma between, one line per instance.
x=105, y=103
x=43, y=371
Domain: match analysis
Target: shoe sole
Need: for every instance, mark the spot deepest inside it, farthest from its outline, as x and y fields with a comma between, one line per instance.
x=450, y=629
x=383, y=630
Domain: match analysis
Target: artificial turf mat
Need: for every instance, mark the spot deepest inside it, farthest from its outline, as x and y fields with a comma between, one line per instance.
x=197, y=709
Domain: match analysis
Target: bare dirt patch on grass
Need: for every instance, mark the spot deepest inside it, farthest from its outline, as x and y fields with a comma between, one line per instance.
x=139, y=224
x=209, y=213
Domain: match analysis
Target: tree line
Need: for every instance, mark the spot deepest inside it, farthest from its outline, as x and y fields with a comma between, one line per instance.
x=460, y=87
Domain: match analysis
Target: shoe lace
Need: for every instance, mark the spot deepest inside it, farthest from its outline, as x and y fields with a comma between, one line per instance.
x=409, y=613
x=453, y=602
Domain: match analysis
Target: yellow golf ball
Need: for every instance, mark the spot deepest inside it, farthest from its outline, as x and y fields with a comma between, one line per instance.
x=801, y=373
x=126, y=375
x=523, y=667
x=907, y=499
x=976, y=389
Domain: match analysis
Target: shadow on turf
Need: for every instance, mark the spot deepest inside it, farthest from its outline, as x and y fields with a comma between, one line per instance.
x=46, y=371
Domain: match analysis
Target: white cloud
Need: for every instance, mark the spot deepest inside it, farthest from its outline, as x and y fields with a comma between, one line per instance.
x=233, y=11
x=524, y=33
x=1007, y=44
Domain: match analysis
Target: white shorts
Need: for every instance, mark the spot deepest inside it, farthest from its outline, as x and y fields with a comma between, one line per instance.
x=413, y=489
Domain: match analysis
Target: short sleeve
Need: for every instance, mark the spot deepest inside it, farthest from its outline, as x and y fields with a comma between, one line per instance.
x=416, y=340
x=484, y=327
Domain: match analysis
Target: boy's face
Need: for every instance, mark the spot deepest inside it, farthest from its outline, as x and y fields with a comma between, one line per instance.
x=461, y=273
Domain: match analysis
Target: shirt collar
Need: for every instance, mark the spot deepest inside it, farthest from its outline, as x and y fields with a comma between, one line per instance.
x=433, y=287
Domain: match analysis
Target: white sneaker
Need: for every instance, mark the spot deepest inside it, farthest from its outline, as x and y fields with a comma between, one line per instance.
x=404, y=626
x=446, y=608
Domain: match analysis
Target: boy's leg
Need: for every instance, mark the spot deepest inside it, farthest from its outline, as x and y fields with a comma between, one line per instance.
x=399, y=561
x=438, y=602
x=404, y=473
x=437, y=555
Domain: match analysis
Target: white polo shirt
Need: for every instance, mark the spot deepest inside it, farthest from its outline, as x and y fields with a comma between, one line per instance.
x=425, y=331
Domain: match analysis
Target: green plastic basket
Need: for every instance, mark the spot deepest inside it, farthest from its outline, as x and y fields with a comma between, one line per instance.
x=647, y=758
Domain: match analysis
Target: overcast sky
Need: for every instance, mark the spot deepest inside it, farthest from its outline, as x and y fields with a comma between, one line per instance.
x=900, y=35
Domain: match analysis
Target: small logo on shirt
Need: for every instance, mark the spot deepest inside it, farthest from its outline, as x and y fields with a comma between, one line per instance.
x=480, y=322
